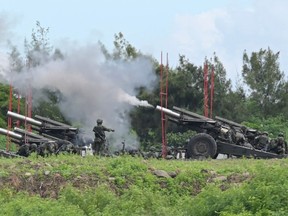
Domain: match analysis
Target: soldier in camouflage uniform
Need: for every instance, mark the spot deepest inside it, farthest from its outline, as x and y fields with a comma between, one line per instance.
x=47, y=148
x=26, y=149
x=278, y=145
x=65, y=146
x=100, y=137
x=23, y=150
x=262, y=141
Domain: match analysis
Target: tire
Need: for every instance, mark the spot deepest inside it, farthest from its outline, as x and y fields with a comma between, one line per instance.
x=202, y=145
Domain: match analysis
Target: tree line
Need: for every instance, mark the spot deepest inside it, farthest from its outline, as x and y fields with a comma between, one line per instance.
x=259, y=101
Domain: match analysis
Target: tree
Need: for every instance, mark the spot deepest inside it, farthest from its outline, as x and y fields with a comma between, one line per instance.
x=222, y=88
x=38, y=52
x=15, y=60
x=263, y=77
x=186, y=86
x=123, y=49
x=236, y=105
x=39, y=49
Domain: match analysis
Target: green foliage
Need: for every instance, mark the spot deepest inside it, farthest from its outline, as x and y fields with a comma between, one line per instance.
x=179, y=139
x=5, y=100
x=39, y=49
x=186, y=85
x=261, y=196
x=127, y=186
x=273, y=125
x=4, y=143
x=47, y=106
x=123, y=49
x=221, y=89
x=20, y=203
x=91, y=201
x=261, y=72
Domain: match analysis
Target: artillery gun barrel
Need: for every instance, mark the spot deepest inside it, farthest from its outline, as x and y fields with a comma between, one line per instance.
x=228, y=121
x=29, y=134
x=50, y=137
x=10, y=133
x=16, y=141
x=190, y=114
x=52, y=122
x=168, y=111
x=24, y=118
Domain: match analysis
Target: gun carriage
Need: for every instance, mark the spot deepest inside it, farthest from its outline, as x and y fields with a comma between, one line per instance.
x=213, y=136
x=44, y=129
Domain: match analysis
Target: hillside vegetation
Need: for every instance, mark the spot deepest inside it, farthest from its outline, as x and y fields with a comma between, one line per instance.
x=74, y=185
x=125, y=185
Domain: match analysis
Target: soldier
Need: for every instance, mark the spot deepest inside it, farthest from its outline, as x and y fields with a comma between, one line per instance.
x=262, y=141
x=279, y=145
x=64, y=146
x=23, y=150
x=26, y=149
x=249, y=134
x=47, y=148
x=33, y=147
x=100, y=137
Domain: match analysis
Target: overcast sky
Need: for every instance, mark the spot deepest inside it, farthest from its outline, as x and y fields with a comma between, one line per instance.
x=192, y=28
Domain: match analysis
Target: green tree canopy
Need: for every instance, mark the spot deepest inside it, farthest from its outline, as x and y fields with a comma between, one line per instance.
x=264, y=79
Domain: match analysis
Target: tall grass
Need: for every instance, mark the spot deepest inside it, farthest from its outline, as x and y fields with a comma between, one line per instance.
x=128, y=186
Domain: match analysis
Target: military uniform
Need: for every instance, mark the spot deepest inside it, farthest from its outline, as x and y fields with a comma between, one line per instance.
x=47, y=148
x=64, y=146
x=26, y=149
x=279, y=145
x=262, y=141
x=23, y=150
x=100, y=137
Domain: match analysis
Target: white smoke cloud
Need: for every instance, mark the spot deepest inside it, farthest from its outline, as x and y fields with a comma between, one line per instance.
x=93, y=88
x=5, y=25
x=5, y=34
x=124, y=97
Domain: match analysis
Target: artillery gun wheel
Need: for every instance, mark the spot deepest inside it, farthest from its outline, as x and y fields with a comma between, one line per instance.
x=202, y=145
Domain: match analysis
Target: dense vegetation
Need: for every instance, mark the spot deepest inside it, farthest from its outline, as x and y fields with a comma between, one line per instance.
x=259, y=100
x=73, y=185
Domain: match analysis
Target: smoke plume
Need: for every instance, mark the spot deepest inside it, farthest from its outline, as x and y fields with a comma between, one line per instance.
x=5, y=34
x=93, y=87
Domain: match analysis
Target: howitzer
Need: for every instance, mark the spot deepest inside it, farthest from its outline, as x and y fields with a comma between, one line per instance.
x=191, y=114
x=228, y=122
x=213, y=136
x=20, y=136
x=10, y=134
x=52, y=130
x=183, y=116
x=42, y=122
x=234, y=124
x=27, y=134
x=192, y=120
x=168, y=112
x=47, y=126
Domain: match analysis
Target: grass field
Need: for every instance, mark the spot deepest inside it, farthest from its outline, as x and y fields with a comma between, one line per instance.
x=125, y=185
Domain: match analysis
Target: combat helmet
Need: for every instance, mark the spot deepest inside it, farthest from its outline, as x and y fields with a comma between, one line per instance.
x=280, y=134
x=243, y=129
x=99, y=121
